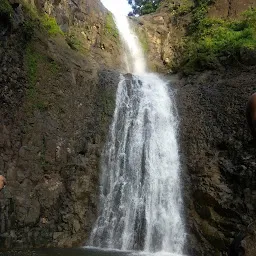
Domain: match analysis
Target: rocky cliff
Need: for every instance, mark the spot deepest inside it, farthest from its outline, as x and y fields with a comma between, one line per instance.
x=57, y=99
x=218, y=160
x=166, y=34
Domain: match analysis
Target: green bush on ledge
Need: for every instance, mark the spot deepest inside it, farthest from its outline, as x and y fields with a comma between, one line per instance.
x=216, y=38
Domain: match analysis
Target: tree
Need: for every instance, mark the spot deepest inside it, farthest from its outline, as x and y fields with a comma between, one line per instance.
x=142, y=7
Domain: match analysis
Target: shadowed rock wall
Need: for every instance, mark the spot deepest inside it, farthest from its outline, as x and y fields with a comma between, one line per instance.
x=219, y=160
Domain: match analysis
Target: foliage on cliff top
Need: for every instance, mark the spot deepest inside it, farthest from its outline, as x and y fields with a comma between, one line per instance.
x=180, y=8
x=216, y=38
x=142, y=7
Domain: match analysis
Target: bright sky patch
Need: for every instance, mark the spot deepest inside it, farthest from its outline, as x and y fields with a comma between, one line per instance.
x=117, y=6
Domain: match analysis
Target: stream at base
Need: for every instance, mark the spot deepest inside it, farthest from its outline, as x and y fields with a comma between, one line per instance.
x=86, y=251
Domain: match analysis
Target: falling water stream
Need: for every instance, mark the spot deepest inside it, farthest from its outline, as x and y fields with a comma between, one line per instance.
x=140, y=193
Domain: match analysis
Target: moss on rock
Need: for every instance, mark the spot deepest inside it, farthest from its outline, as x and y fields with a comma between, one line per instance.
x=50, y=24
x=35, y=63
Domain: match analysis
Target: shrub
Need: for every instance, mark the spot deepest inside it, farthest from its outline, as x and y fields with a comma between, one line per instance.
x=181, y=8
x=214, y=38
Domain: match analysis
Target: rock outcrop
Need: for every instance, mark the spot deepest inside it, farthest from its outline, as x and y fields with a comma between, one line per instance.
x=161, y=36
x=56, y=106
x=219, y=161
x=164, y=34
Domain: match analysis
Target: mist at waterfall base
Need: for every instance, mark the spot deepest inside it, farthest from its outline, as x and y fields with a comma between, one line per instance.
x=140, y=195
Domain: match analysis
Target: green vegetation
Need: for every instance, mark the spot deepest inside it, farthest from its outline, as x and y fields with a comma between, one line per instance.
x=53, y=66
x=51, y=26
x=35, y=21
x=6, y=10
x=30, y=11
x=32, y=60
x=31, y=23
x=110, y=26
x=212, y=39
x=144, y=43
x=181, y=8
x=184, y=7
x=199, y=13
x=142, y=7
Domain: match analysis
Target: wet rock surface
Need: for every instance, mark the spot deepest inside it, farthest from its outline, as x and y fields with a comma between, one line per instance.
x=219, y=160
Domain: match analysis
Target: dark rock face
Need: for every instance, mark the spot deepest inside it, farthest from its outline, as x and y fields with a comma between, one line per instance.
x=87, y=21
x=56, y=106
x=219, y=160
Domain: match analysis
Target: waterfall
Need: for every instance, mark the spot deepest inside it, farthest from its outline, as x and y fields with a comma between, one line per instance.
x=140, y=191
x=134, y=57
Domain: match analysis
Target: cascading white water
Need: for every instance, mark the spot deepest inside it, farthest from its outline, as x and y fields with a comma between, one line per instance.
x=140, y=196
x=135, y=61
